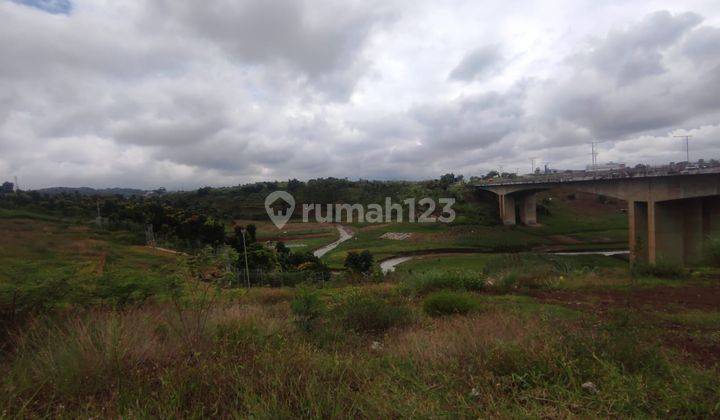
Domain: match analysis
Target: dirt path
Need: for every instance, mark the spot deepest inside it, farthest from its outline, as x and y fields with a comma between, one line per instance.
x=345, y=234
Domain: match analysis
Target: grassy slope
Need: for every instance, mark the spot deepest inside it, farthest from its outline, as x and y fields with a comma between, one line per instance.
x=516, y=354
x=75, y=264
x=304, y=236
x=569, y=225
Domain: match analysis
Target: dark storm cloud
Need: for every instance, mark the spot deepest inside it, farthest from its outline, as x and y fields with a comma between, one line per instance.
x=320, y=39
x=636, y=52
x=472, y=122
x=477, y=63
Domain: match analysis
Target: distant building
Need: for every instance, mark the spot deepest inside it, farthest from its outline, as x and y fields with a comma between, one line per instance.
x=610, y=166
x=7, y=188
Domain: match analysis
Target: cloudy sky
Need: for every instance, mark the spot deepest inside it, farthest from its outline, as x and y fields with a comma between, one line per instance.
x=188, y=93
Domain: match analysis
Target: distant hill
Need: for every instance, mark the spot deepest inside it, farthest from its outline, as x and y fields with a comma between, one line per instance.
x=125, y=192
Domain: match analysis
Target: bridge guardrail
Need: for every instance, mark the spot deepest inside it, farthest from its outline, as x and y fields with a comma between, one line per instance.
x=596, y=177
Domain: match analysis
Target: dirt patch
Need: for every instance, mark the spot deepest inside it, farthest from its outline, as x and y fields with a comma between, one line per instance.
x=648, y=302
x=396, y=236
x=563, y=239
x=661, y=298
x=706, y=354
x=294, y=237
x=586, y=203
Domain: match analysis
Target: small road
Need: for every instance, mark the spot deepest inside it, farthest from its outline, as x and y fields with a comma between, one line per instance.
x=345, y=234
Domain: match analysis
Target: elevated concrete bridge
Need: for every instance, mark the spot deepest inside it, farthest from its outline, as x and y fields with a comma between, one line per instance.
x=670, y=215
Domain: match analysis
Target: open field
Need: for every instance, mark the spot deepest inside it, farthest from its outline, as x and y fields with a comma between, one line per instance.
x=578, y=224
x=462, y=336
x=52, y=265
x=299, y=236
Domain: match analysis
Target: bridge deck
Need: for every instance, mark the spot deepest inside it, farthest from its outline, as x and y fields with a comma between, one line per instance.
x=611, y=176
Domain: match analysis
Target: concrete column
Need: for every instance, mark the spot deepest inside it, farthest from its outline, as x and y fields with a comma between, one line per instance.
x=711, y=216
x=692, y=230
x=638, y=230
x=507, y=209
x=669, y=229
x=632, y=232
x=528, y=209
x=651, y=234
x=501, y=202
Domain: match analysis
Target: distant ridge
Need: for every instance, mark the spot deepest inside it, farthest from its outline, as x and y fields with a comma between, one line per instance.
x=125, y=192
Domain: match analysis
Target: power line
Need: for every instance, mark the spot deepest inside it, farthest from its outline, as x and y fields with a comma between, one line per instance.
x=687, y=147
x=594, y=154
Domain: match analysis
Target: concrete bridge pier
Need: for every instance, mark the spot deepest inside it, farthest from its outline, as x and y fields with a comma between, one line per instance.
x=528, y=209
x=522, y=204
x=670, y=215
x=673, y=230
x=507, y=209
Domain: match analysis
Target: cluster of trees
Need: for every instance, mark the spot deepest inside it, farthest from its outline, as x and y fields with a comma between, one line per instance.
x=242, y=260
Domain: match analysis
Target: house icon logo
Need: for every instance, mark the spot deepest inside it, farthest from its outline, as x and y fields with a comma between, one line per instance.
x=279, y=206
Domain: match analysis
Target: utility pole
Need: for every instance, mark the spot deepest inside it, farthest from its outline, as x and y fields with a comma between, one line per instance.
x=17, y=187
x=687, y=147
x=98, y=221
x=247, y=270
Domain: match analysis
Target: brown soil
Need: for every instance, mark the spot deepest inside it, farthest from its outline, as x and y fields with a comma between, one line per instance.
x=585, y=203
x=649, y=301
x=294, y=237
x=661, y=298
x=563, y=239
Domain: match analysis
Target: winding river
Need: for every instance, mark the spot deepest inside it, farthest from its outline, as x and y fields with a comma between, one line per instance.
x=389, y=265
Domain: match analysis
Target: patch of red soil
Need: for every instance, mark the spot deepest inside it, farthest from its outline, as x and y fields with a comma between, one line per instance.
x=706, y=354
x=656, y=299
x=294, y=237
x=563, y=239
x=586, y=203
x=661, y=298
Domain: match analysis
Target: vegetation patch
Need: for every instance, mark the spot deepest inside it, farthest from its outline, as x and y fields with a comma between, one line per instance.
x=370, y=314
x=449, y=303
x=661, y=270
x=429, y=281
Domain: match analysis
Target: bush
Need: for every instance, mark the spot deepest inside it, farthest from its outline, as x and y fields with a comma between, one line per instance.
x=661, y=269
x=369, y=314
x=359, y=263
x=308, y=308
x=430, y=281
x=712, y=251
x=449, y=303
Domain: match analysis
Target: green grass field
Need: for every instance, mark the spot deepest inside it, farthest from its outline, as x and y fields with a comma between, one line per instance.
x=106, y=332
x=59, y=264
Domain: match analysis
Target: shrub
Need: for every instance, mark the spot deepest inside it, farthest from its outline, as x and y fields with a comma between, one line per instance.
x=359, y=263
x=712, y=250
x=449, y=303
x=430, y=281
x=308, y=308
x=661, y=269
x=369, y=314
